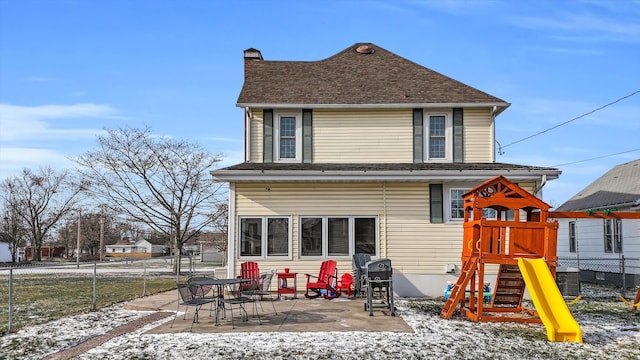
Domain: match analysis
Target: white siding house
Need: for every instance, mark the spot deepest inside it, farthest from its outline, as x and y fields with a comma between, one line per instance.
x=139, y=248
x=5, y=252
x=598, y=246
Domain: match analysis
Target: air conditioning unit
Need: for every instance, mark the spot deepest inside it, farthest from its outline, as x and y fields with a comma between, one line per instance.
x=568, y=281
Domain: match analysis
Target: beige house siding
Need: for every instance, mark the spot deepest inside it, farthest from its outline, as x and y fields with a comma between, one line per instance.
x=415, y=245
x=477, y=135
x=255, y=136
x=362, y=136
x=375, y=135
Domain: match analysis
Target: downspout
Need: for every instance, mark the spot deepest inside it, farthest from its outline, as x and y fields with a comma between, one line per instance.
x=492, y=115
x=231, y=232
x=543, y=181
x=247, y=132
x=384, y=213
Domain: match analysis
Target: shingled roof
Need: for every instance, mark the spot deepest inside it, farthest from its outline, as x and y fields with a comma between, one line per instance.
x=363, y=74
x=619, y=188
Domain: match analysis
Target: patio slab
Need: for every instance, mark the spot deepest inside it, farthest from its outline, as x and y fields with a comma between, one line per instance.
x=294, y=315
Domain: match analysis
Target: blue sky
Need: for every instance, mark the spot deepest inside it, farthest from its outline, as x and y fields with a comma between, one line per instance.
x=70, y=68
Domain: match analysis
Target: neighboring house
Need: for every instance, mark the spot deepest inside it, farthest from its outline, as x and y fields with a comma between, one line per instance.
x=46, y=252
x=595, y=245
x=140, y=248
x=5, y=251
x=5, y=247
x=362, y=152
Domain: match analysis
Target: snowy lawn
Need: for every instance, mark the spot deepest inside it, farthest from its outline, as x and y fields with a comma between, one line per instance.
x=610, y=331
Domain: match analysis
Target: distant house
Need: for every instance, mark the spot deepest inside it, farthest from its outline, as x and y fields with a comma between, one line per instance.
x=364, y=152
x=46, y=252
x=5, y=249
x=141, y=248
x=595, y=245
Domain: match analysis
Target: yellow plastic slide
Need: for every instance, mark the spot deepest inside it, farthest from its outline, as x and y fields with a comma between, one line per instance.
x=549, y=303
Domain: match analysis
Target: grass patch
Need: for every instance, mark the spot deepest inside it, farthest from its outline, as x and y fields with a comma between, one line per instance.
x=41, y=298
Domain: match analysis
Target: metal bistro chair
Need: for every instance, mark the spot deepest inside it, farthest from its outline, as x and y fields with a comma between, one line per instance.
x=187, y=298
x=203, y=291
x=236, y=296
x=379, y=282
x=264, y=289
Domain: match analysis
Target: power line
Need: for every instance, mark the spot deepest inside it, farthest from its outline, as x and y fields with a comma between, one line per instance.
x=568, y=121
x=596, y=158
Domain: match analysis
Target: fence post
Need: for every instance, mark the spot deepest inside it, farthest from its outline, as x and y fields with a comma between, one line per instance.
x=624, y=277
x=10, y=298
x=144, y=277
x=95, y=272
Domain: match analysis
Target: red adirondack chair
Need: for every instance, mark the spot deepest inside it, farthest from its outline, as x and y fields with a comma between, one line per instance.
x=345, y=283
x=325, y=283
x=249, y=270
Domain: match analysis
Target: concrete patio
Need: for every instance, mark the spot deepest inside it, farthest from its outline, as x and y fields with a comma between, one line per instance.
x=294, y=315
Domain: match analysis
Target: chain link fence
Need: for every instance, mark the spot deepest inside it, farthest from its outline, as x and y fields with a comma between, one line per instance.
x=622, y=272
x=34, y=294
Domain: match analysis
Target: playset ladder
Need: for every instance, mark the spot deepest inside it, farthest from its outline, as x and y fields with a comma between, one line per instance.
x=458, y=291
x=509, y=287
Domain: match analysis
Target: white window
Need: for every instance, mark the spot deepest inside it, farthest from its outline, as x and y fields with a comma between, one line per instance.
x=288, y=137
x=613, y=235
x=438, y=136
x=456, y=206
x=572, y=237
x=339, y=236
x=265, y=237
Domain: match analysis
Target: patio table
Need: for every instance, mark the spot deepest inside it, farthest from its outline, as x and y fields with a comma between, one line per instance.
x=219, y=284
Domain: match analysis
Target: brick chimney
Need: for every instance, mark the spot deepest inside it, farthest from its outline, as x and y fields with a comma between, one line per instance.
x=250, y=55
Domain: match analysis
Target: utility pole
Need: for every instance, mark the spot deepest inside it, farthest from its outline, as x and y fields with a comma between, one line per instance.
x=78, y=242
x=101, y=237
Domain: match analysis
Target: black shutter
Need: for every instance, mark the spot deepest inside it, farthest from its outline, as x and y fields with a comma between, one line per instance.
x=458, y=135
x=267, y=151
x=307, y=138
x=436, y=212
x=418, y=136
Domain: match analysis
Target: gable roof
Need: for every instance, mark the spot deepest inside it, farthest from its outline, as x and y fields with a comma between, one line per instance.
x=362, y=75
x=500, y=191
x=619, y=187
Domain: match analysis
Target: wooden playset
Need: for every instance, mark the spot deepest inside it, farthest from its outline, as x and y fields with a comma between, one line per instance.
x=520, y=230
x=523, y=228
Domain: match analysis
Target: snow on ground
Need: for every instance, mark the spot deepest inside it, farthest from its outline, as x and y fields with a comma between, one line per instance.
x=610, y=331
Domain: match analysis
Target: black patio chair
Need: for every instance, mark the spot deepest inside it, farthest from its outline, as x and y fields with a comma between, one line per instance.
x=188, y=298
x=236, y=297
x=360, y=272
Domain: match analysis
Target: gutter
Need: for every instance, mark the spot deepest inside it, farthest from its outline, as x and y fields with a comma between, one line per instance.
x=501, y=106
x=408, y=175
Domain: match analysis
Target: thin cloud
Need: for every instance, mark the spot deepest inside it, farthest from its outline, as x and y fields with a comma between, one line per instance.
x=20, y=123
x=588, y=24
x=14, y=159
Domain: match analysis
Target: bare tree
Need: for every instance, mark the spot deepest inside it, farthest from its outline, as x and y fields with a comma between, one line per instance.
x=158, y=181
x=39, y=199
x=13, y=231
x=221, y=224
x=92, y=224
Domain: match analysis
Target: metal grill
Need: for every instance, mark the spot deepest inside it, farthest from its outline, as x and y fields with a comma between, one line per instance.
x=379, y=284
